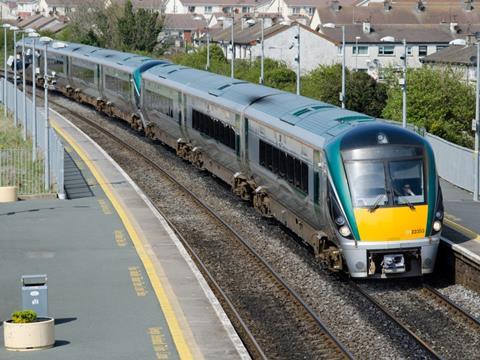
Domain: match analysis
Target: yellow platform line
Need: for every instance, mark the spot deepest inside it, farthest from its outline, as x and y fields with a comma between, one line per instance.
x=173, y=325
x=462, y=229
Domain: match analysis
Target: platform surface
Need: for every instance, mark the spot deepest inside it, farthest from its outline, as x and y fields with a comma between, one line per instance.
x=117, y=289
x=462, y=221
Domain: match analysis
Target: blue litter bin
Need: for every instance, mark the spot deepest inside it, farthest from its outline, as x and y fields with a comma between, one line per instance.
x=35, y=294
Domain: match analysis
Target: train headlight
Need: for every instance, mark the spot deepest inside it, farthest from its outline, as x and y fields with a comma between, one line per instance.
x=437, y=226
x=340, y=221
x=439, y=215
x=344, y=231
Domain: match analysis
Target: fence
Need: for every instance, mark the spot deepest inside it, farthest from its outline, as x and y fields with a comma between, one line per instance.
x=55, y=154
x=455, y=163
x=17, y=168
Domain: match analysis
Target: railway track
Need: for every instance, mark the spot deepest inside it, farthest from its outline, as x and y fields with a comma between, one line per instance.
x=444, y=329
x=230, y=307
x=294, y=330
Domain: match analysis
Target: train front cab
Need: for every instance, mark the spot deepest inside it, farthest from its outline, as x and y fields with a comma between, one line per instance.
x=386, y=203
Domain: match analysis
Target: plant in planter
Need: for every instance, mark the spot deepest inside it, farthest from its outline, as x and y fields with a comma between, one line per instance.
x=27, y=332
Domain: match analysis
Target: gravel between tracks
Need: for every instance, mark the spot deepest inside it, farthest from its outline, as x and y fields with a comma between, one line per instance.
x=468, y=299
x=448, y=334
x=358, y=324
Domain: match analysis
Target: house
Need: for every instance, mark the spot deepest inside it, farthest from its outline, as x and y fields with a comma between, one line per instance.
x=462, y=58
x=60, y=7
x=182, y=27
x=27, y=7
x=39, y=22
x=8, y=11
x=209, y=7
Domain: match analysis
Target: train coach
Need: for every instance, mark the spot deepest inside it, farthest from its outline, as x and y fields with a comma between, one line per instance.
x=363, y=194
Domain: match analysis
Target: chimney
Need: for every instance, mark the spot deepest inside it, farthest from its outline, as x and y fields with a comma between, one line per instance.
x=387, y=6
x=468, y=5
x=454, y=28
x=366, y=28
x=420, y=5
x=336, y=6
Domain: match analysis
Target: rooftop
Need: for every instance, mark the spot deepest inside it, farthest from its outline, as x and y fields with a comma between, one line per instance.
x=452, y=55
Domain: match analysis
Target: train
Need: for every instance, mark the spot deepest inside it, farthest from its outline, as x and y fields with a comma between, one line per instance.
x=363, y=194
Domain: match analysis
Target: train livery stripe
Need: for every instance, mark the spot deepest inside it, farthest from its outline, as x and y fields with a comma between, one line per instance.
x=173, y=325
x=392, y=223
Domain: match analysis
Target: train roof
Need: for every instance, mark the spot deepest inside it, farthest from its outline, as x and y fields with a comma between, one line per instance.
x=309, y=118
x=115, y=59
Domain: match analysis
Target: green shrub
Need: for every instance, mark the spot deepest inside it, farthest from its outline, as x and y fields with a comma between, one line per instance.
x=25, y=316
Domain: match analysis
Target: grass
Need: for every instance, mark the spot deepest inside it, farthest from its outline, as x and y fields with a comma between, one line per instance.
x=17, y=167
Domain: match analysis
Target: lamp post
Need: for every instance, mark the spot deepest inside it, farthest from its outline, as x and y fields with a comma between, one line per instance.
x=262, y=57
x=356, y=52
x=477, y=122
x=232, y=65
x=297, y=59
x=46, y=40
x=24, y=93
x=34, y=36
x=207, y=66
x=15, y=115
x=343, y=96
x=5, y=28
x=404, y=85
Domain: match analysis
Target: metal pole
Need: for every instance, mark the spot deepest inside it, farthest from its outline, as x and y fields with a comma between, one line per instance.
x=208, y=49
x=232, y=66
x=34, y=102
x=343, y=67
x=5, y=75
x=15, y=115
x=477, y=128
x=47, y=140
x=24, y=90
x=356, y=53
x=262, y=58
x=298, y=59
x=404, y=87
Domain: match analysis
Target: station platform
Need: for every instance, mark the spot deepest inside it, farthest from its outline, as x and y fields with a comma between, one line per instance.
x=120, y=284
x=462, y=221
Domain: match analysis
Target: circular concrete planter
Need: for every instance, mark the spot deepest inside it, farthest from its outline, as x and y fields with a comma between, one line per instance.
x=8, y=194
x=30, y=336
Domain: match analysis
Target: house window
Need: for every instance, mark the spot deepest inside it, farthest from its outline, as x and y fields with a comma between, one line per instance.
x=309, y=10
x=284, y=165
x=386, y=50
x=245, y=9
x=362, y=50
x=295, y=10
x=422, y=50
x=440, y=47
x=191, y=9
x=208, y=9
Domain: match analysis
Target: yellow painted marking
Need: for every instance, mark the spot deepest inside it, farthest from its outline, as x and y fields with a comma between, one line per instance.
x=175, y=330
x=137, y=280
x=105, y=208
x=120, y=238
x=160, y=346
x=391, y=224
x=462, y=229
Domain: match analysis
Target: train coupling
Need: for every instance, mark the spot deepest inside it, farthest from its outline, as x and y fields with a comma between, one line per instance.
x=393, y=264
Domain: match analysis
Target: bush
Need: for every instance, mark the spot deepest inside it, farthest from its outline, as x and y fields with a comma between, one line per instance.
x=23, y=317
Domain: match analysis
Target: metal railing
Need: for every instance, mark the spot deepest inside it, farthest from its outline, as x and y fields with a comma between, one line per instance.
x=35, y=129
x=17, y=168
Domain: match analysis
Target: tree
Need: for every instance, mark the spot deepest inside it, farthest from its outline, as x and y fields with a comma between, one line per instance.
x=437, y=100
x=363, y=93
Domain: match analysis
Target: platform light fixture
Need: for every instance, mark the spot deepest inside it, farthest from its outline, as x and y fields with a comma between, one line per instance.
x=24, y=93
x=199, y=18
x=343, y=97
x=45, y=40
x=477, y=122
x=5, y=29
x=15, y=29
x=232, y=62
x=34, y=37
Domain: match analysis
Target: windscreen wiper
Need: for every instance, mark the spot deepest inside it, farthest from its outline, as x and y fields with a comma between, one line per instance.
x=404, y=198
x=376, y=204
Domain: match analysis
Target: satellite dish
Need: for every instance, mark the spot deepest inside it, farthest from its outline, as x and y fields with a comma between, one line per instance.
x=387, y=39
x=458, y=42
